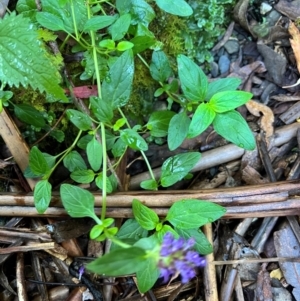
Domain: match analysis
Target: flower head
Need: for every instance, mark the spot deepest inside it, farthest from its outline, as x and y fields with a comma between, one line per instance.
x=176, y=257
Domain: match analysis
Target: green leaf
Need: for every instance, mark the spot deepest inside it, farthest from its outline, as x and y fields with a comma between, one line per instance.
x=50, y=21
x=77, y=201
x=201, y=120
x=131, y=138
x=118, y=88
x=24, y=59
x=42, y=196
x=108, y=43
x=178, y=7
x=228, y=100
x=58, y=135
x=147, y=275
x=193, y=81
x=149, y=184
x=178, y=129
x=94, y=154
x=233, y=127
x=191, y=213
x=221, y=85
x=124, y=45
x=99, y=183
x=74, y=161
x=102, y=109
x=119, y=123
x=98, y=22
x=80, y=120
x=29, y=114
x=119, y=148
x=160, y=67
x=177, y=167
x=49, y=159
x=131, y=229
x=118, y=262
x=142, y=43
x=27, y=8
x=202, y=245
x=120, y=27
x=146, y=217
x=83, y=176
x=162, y=232
x=141, y=12
x=37, y=162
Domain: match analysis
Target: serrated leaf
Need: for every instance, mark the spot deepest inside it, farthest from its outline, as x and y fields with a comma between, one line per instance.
x=102, y=109
x=94, y=154
x=178, y=129
x=149, y=184
x=201, y=120
x=191, y=213
x=233, y=127
x=131, y=138
x=24, y=60
x=117, y=89
x=160, y=67
x=99, y=183
x=202, y=245
x=42, y=196
x=80, y=120
x=37, y=162
x=120, y=27
x=221, y=85
x=27, y=8
x=228, y=100
x=73, y=161
x=193, y=81
x=118, y=262
x=147, y=275
x=178, y=7
x=99, y=22
x=78, y=202
x=83, y=176
x=50, y=21
x=146, y=217
x=177, y=167
x=29, y=114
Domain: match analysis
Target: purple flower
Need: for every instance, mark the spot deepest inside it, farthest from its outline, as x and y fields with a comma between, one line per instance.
x=176, y=257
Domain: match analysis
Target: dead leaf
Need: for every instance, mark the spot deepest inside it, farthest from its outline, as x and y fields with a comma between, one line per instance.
x=255, y=108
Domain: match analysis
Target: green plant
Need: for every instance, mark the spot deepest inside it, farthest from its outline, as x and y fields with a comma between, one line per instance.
x=112, y=36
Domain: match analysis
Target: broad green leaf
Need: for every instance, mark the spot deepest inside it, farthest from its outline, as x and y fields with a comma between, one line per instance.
x=191, y=213
x=27, y=8
x=99, y=22
x=177, y=167
x=94, y=154
x=178, y=129
x=228, y=100
x=49, y=159
x=99, y=183
x=160, y=67
x=37, y=162
x=142, y=43
x=162, y=232
x=201, y=120
x=141, y=12
x=193, y=81
x=58, y=135
x=147, y=275
x=233, y=127
x=119, y=123
x=118, y=262
x=108, y=43
x=120, y=27
x=50, y=21
x=124, y=45
x=80, y=120
x=149, y=184
x=65, y=13
x=178, y=7
x=118, y=88
x=221, y=85
x=42, y=196
x=202, y=245
x=110, y=139
x=77, y=201
x=24, y=59
x=73, y=161
x=123, y=6
x=83, y=176
x=29, y=114
x=146, y=217
x=133, y=140
x=102, y=109
x=119, y=148
x=131, y=229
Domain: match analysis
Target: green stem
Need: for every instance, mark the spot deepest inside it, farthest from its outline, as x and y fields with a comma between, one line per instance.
x=74, y=20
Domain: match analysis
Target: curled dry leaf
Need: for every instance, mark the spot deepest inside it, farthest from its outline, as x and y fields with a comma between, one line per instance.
x=267, y=119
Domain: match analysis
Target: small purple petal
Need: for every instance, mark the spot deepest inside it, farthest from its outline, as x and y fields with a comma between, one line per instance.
x=195, y=259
